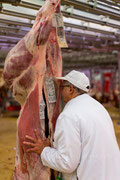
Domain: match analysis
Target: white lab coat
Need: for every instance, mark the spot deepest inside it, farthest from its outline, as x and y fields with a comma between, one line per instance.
x=85, y=145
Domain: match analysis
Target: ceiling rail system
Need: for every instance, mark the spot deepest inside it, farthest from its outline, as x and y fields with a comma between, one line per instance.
x=91, y=25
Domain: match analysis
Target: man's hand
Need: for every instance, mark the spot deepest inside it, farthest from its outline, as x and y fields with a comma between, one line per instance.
x=36, y=145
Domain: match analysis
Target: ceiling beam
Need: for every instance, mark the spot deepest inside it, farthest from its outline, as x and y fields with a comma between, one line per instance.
x=90, y=6
x=69, y=12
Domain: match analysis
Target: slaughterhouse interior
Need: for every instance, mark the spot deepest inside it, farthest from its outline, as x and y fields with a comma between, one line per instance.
x=59, y=89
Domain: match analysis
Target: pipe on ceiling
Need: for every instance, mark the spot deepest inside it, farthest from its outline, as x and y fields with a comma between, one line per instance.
x=10, y=1
x=92, y=9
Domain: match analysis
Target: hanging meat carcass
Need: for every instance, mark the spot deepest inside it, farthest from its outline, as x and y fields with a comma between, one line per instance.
x=30, y=68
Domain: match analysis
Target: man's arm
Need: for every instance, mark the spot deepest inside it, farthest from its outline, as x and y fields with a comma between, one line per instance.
x=65, y=157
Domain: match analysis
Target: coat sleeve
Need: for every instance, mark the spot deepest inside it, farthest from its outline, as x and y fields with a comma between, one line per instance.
x=65, y=156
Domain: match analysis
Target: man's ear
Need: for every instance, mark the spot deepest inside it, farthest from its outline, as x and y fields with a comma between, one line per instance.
x=71, y=88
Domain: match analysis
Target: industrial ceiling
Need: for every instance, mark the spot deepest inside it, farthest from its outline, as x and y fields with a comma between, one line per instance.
x=92, y=29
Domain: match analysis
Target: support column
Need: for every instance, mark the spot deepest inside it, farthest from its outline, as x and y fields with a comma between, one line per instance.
x=119, y=83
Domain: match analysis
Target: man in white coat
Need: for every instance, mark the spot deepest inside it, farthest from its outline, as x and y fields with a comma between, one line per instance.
x=85, y=146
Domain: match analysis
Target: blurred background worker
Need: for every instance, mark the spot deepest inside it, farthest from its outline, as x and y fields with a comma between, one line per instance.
x=3, y=99
x=85, y=146
x=3, y=94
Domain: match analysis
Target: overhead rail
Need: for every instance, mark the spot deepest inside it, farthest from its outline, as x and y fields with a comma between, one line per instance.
x=18, y=11
x=11, y=1
x=12, y=34
x=88, y=28
x=77, y=14
x=98, y=8
x=74, y=40
x=116, y=1
x=71, y=30
x=110, y=2
x=97, y=63
x=7, y=42
x=92, y=35
x=106, y=14
x=13, y=29
x=80, y=26
x=13, y=22
x=69, y=11
x=36, y=4
x=76, y=60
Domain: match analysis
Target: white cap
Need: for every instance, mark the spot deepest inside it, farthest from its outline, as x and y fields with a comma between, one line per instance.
x=78, y=79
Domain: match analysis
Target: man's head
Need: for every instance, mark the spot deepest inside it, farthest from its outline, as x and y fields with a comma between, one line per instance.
x=74, y=84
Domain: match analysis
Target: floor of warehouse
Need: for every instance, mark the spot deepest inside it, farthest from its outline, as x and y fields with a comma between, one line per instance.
x=8, y=142
x=7, y=147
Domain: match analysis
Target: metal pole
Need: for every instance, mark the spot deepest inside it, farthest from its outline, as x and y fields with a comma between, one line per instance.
x=119, y=84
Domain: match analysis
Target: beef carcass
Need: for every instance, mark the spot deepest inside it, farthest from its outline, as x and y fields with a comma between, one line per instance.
x=29, y=70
